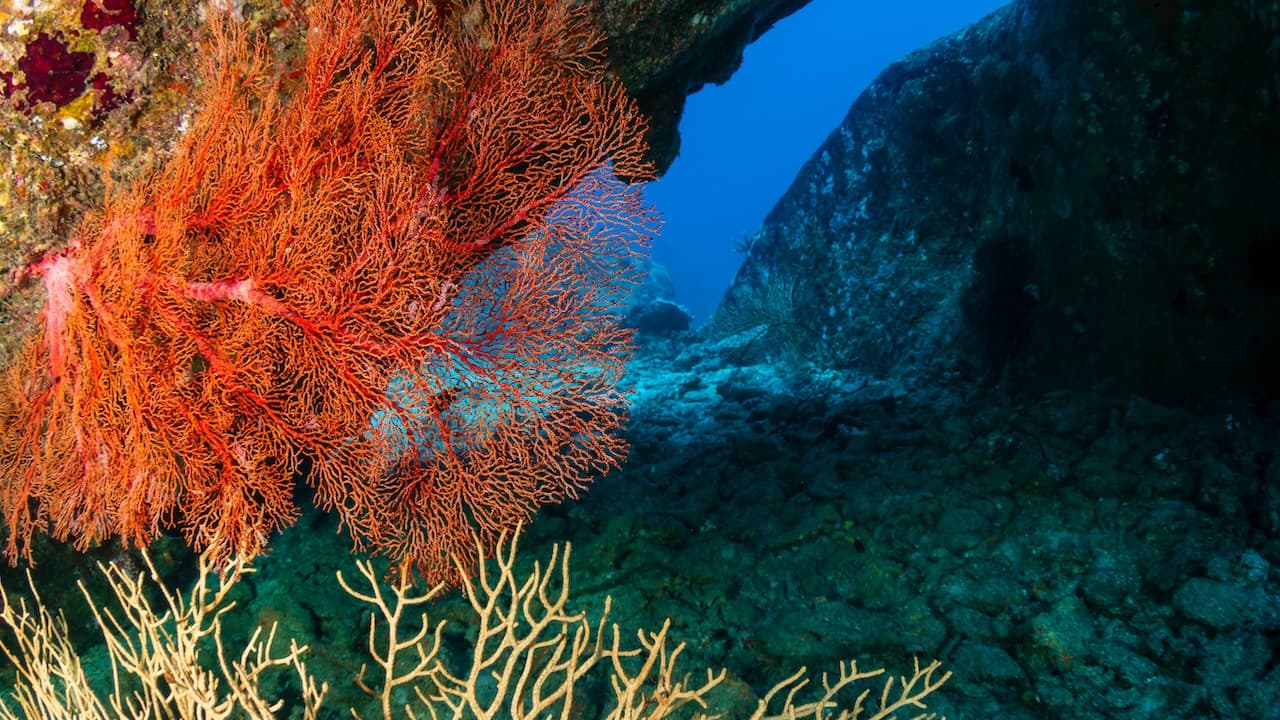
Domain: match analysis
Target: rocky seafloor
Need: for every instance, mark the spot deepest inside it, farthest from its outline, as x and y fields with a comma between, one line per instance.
x=1069, y=556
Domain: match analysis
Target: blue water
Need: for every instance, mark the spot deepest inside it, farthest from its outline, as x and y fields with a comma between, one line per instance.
x=742, y=142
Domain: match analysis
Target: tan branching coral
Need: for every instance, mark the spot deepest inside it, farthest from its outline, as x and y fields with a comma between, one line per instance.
x=531, y=657
x=158, y=667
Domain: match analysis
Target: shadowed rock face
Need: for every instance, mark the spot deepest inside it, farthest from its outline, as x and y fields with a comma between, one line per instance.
x=665, y=49
x=1064, y=194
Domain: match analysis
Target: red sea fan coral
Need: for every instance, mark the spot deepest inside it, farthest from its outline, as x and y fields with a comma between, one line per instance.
x=394, y=275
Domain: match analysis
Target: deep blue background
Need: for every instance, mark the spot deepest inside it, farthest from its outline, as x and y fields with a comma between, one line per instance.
x=743, y=142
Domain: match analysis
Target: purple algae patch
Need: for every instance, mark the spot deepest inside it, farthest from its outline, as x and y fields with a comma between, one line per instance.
x=99, y=14
x=53, y=72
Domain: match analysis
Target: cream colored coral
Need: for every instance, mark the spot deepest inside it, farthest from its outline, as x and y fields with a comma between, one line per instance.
x=155, y=666
x=530, y=651
x=531, y=654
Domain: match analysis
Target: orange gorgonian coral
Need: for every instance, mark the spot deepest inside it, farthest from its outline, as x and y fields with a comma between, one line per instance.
x=392, y=273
